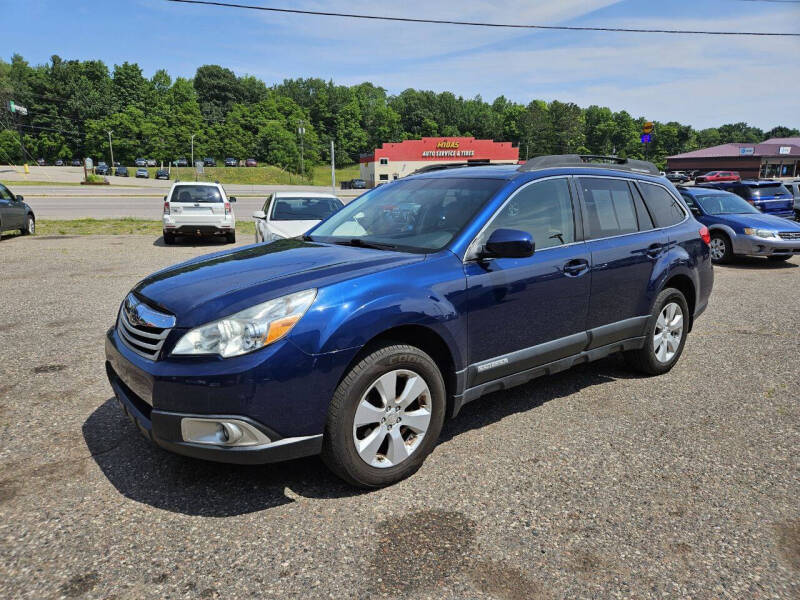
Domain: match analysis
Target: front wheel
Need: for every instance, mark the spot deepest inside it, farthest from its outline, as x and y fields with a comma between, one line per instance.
x=721, y=248
x=385, y=417
x=30, y=226
x=665, y=335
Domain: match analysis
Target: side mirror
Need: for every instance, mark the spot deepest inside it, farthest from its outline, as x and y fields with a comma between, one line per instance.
x=508, y=243
x=19, y=198
x=232, y=198
x=259, y=214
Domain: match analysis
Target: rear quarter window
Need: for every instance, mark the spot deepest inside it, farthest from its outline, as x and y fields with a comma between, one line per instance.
x=664, y=208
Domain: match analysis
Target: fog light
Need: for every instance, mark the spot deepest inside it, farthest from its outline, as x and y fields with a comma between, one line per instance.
x=221, y=432
x=230, y=432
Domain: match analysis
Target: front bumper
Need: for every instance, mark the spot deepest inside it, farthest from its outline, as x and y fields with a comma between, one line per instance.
x=755, y=246
x=281, y=391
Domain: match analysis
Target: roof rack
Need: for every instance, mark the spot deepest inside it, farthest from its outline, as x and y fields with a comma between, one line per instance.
x=590, y=160
x=453, y=165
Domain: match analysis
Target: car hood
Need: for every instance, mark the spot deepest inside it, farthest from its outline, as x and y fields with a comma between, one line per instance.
x=213, y=286
x=290, y=229
x=755, y=221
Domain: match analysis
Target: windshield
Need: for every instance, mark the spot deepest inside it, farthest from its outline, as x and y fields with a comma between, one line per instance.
x=769, y=190
x=304, y=209
x=724, y=204
x=417, y=215
x=196, y=193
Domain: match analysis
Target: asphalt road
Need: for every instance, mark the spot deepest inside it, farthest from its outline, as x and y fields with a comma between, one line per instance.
x=63, y=202
x=594, y=483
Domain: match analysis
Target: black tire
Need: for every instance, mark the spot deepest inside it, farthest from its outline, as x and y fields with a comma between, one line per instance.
x=231, y=237
x=169, y=238
x=779, y=258
x=338, y=449
x=644, y=359
x=727, y=255
x=30, y=226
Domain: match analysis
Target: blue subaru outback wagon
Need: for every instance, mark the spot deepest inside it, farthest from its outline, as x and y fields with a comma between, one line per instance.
x=358, y=339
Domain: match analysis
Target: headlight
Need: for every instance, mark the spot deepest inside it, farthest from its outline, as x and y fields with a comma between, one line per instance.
x=248, y=330
x=762, y=233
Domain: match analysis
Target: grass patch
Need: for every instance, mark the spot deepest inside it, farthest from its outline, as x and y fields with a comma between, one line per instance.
x=321, y=174
x=126, y=226
x=13, y=184
x=266, y=175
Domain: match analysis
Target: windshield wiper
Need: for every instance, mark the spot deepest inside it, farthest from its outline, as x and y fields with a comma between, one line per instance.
x=358, y=242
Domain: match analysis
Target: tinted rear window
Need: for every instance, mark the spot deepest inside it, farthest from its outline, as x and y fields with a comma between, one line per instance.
x=196, y=193
x=663, y=206
x=769, y=190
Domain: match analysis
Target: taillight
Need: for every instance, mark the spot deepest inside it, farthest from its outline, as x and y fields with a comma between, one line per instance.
x=166, y=208
x=705, y=235
x=227, y=208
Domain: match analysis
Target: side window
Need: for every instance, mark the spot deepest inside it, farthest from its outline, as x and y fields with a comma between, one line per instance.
x=663, y=206
x=543, y=209
x=384, y=161
x=609, y=206
x=4, y=193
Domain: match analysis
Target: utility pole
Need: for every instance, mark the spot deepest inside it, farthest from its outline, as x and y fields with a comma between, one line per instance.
x=111, y=149
x=333, y=172
x=302, y=131
x=193, y=150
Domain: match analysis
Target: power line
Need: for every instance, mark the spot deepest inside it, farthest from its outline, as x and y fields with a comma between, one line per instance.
x=479, y=24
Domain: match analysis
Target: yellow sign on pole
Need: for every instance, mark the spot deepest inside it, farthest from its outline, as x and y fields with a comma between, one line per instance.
x=647, y=127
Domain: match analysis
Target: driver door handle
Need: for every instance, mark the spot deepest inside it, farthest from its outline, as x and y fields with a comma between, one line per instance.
x=576, y=267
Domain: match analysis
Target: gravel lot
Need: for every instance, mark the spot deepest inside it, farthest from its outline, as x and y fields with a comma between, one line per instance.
x=592, y=483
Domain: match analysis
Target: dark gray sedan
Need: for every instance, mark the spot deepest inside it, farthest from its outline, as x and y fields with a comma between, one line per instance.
x=15, y=214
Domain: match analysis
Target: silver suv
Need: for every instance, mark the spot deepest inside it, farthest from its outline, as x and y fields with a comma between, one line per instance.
x=198, y=209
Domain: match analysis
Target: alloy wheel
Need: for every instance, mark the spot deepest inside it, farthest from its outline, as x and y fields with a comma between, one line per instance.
x=668, y=332
x=392, y=418
x=717, y=248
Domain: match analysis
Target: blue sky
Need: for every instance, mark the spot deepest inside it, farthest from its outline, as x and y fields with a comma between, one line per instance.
x=701, y=80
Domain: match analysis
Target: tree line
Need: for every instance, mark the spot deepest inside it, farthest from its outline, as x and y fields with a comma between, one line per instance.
x=72, y=105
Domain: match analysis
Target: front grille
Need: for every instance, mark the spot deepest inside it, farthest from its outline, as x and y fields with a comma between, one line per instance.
x=143, y=329
x=789, y=235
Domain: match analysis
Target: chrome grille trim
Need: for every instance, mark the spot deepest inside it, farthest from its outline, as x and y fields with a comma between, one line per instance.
x=147, y=336
x=789, y=235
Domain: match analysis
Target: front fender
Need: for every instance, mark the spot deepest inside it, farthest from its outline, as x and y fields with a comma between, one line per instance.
x=349, y=314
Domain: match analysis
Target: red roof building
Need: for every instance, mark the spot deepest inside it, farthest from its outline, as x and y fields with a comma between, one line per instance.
x=398, y=159
x=776, y=157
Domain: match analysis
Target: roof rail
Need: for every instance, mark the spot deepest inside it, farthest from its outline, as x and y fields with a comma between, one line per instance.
x=590, y=160
x=453, y=165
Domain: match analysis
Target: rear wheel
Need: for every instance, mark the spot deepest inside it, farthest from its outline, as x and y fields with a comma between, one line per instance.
x=385, y=417
x=779, y=258
x=169, y=238
x=665, y=337
x=721, y=248
x=230, y=237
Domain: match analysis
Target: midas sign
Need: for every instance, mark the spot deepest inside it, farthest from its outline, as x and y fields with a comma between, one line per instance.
x=446, y=144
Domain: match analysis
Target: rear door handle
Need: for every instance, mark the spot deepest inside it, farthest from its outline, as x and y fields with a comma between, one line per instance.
x=576, y=268
x=655, y=250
